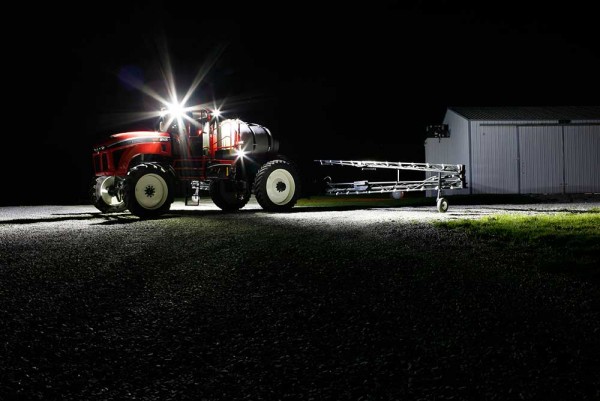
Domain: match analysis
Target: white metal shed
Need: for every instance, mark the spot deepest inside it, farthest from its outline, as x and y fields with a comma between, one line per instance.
x=521, y=150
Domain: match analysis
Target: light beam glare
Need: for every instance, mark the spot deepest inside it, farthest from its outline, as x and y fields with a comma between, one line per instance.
x=179, y=107
x=204, y=70
x=112, y=120
x=167, y=73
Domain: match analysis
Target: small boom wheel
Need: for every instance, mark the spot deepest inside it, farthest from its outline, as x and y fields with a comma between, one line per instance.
x=442, y=205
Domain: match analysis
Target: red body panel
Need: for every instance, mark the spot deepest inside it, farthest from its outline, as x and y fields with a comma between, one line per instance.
x=127, y=146
x=113, y=156
x=123, y=136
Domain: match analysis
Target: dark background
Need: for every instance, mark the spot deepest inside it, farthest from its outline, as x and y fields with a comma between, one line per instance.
x=330, y=81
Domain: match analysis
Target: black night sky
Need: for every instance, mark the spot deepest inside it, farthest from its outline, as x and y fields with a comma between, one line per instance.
x=347, y=81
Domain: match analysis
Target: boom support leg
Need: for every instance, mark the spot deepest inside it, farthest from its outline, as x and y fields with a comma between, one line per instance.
x=441, y=202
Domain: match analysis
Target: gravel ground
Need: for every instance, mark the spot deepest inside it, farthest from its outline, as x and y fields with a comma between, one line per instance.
x=366, y=304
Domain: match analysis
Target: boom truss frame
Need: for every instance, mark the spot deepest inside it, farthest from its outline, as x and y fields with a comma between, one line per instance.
x=449, y=177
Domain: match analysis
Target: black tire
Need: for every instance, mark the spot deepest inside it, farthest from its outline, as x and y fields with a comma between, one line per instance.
x=226, y=196
x=148, y=190
x=277, y=186
x=102, y=199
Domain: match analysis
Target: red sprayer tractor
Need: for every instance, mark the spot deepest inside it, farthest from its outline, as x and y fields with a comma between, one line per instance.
x=188, y=154
x=196, y=152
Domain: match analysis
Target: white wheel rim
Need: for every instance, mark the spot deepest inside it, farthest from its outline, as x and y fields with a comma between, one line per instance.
x=106, y=197
x=443, y=205
x=281, y=187
x=151, y=191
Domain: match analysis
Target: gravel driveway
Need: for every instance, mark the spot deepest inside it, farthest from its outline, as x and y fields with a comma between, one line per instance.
x=365, y=304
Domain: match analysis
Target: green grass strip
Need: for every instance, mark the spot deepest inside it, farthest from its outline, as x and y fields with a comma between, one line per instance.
x=580, y=229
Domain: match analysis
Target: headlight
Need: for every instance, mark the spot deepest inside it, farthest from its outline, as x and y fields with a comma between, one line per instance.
x=176, y=110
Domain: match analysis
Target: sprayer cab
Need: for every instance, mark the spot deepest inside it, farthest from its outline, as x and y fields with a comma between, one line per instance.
x=184, y=122
x=209, y=135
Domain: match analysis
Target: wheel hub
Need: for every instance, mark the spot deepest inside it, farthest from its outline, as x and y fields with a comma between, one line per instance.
x=149, y=191
x=280, y=186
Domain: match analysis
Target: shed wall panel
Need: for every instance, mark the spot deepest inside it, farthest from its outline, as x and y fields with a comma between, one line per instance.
x=582, y=159
x=541, y=159
x=451, y=150
x=494, y=159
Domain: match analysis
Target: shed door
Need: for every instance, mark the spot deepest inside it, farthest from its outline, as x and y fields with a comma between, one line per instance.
x=582, y=159
x=494, y=162
x=541, y=160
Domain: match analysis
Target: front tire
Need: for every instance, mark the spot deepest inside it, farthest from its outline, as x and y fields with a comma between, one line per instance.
x=102, y=195
x=148, y=191
x=277, y=186
x=226, y=195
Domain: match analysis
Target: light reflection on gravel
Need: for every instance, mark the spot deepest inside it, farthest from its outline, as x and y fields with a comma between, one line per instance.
x=326, y=216
x=320, y=304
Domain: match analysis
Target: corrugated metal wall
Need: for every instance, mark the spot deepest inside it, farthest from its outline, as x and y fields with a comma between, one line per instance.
x=582, y=158
x=451, y=150
x=541, y=159
x=511, y=157
x=494, y=154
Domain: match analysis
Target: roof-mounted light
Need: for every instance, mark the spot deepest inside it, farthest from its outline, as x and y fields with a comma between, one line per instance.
x=176, y=110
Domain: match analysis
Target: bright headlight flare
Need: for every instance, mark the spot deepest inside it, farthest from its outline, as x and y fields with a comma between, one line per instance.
x=216, y=113
x=240, y=152
x=176, y=110
x=133, y=80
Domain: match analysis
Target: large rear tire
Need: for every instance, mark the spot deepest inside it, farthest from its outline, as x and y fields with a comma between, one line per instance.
x=102, y=195
x=148, y=190
x=277, y=186
x=227, y=196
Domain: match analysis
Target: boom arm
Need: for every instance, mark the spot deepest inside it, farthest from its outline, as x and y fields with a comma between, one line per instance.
x=449, y=176
x=453, y=168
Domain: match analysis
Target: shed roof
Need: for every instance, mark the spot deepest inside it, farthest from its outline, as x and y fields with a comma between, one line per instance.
x=529, y=113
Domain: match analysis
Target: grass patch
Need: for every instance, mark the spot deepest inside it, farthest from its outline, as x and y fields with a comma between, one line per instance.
x=409, y=199
x=366, y=201
x=533, y=229
x=570, y=241
x=490, y=199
